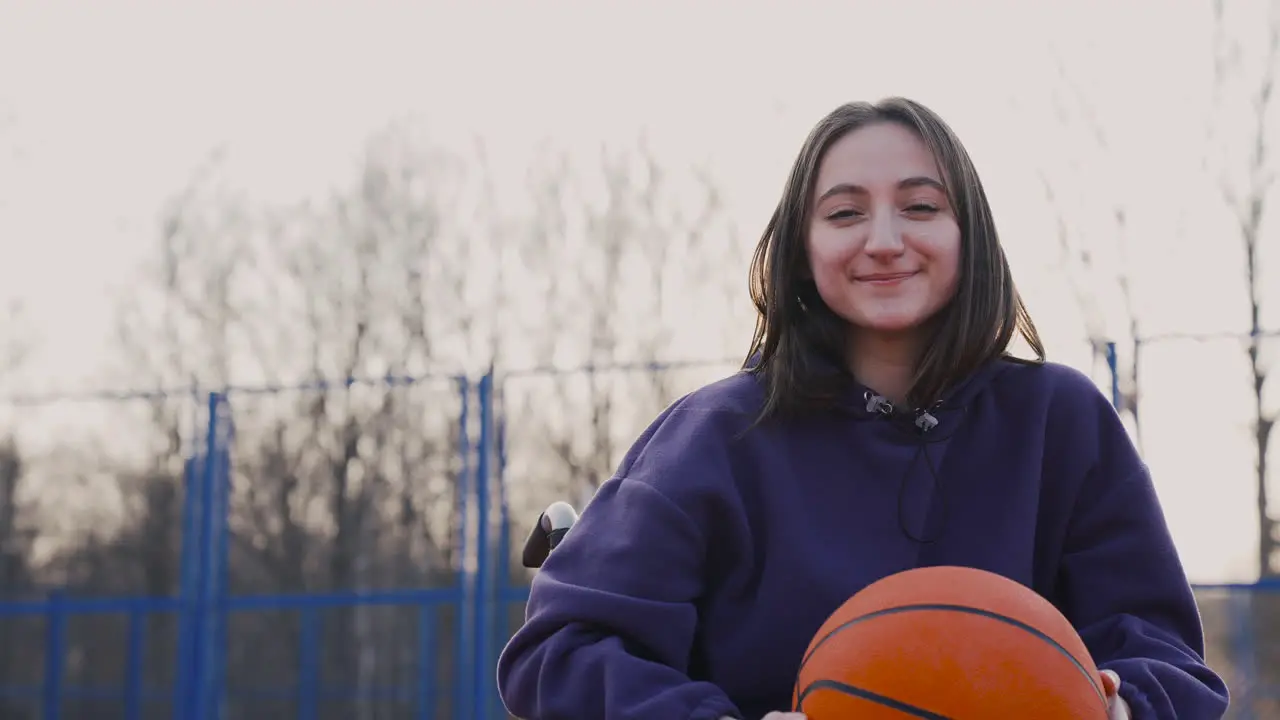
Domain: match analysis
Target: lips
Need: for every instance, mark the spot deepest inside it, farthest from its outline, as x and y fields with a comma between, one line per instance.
x=884, y=278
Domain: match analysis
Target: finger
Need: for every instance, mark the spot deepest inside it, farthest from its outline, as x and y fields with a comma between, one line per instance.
x=1110, y=682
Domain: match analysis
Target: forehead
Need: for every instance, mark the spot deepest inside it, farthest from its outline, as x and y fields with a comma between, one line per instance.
x=876, y=156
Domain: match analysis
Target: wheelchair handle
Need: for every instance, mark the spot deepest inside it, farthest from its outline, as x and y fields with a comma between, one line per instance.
x=547, y=533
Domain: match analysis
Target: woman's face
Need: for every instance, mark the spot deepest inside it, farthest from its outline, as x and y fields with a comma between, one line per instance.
x=883, y=242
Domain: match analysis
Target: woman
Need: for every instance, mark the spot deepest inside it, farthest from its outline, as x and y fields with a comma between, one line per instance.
x=879, y=425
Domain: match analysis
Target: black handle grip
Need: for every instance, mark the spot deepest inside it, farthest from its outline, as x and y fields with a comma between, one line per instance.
x=553, y=524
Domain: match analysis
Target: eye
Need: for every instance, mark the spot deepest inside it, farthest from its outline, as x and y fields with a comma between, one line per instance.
x=922, y=208
x=839, y=215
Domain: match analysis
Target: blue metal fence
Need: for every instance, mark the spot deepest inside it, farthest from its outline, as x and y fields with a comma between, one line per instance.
x=483, y=601
x=204, y=607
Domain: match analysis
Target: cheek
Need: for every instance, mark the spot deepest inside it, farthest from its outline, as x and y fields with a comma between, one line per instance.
x=947, y=260
x=941, y=246
x=830, y=252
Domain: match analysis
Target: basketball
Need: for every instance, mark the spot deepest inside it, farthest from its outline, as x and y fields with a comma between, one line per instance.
x=948, y=643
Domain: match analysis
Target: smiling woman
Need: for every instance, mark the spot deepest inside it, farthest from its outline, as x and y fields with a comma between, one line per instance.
x=879, y=425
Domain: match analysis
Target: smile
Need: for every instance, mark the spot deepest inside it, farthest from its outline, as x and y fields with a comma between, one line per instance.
x=884, y=278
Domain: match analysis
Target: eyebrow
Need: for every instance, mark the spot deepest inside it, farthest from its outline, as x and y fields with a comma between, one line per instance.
x=911, y=182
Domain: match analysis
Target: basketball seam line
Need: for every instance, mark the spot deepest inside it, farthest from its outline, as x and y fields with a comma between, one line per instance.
x=889, y=702
x=970, y=611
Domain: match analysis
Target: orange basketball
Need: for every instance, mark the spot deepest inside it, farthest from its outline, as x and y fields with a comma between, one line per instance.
x=948, y=642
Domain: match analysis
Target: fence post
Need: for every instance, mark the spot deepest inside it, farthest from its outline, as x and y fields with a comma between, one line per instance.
x=199, y=692
x=1113, y=366
x=463, y=622
x=55, y=652
x=502, y=587
x=483, y=677
x=219, y=565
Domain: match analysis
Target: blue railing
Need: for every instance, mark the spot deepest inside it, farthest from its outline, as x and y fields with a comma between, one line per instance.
x=132, y=695
x=204, y=607
x=461, y=624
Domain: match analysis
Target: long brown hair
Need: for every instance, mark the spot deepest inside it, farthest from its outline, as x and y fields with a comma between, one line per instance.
x=798, y=338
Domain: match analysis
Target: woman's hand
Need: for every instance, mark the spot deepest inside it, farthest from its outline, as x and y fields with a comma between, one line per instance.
x=1117, y=708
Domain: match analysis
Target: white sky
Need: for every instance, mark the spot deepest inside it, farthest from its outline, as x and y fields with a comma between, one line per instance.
x=114, y=105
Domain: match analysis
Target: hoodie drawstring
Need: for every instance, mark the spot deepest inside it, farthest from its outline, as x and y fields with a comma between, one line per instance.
x=922, y=425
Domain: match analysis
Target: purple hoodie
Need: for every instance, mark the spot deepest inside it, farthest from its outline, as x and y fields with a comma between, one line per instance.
x=697, y=575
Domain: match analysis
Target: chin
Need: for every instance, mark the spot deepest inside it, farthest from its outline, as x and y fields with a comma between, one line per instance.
x=891, y=324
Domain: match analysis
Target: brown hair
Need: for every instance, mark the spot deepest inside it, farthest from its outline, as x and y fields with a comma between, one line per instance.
x=798, y=338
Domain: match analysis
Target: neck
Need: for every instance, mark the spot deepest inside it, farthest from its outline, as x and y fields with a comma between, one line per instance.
x=886, y=364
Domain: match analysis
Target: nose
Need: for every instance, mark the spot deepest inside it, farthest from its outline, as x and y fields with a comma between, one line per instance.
x=885, y=240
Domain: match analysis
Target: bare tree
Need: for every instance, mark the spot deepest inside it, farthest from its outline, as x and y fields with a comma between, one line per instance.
x=173, y=339
x=1243, y=159
x=347, y=482
x=618, y=252
x=1247, y=192
x=1078, y=244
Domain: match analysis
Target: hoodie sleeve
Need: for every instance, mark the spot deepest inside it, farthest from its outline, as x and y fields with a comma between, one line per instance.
x=1125, y=590
x=610, y=621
